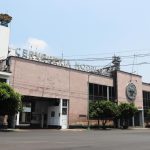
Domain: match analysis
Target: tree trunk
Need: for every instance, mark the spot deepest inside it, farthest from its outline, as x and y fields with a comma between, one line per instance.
x=125, y=124
x=98, y=123
x=104, y=124
x=12, y=121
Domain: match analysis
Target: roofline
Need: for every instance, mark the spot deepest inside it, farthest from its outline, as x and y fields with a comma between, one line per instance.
x=129, y=73
x=146, y=83
x=58, y=66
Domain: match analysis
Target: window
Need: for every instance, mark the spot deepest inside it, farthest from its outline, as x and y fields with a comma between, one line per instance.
x=33, y=107
x=64, y=111
x=64, y=102
x=96, y=89
x=91, y=89
x=111, y=93
x=99, y=92
x=146, y=102
x=105, y=92
x=52, y=113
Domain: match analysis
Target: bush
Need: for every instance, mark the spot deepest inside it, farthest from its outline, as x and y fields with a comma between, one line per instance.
x=103, y=110
x=126, y=111
x=10, y=101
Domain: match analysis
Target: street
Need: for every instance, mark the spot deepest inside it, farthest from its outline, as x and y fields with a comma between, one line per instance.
x=137, y=139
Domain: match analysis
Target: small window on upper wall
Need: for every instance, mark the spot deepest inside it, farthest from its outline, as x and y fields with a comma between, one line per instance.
x=64, y=111
x=64, y=102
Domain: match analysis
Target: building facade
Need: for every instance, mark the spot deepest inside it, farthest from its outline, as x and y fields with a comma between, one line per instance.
x=56, y=96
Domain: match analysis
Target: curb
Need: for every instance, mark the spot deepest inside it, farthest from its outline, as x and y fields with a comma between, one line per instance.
x=73, y=129
x=11, y=130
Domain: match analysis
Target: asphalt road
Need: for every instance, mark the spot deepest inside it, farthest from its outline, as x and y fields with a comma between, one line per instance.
x=76, y=140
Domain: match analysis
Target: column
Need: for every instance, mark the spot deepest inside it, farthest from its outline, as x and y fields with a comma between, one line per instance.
x=42, y=120
x=107, y=92
x=133, y=123
x=88, y=118
x=118, y=123
x=142, y=118
x=17, y=121
x=60, y=111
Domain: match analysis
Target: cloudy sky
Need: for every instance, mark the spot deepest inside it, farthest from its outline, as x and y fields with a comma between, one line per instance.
x=84, y=28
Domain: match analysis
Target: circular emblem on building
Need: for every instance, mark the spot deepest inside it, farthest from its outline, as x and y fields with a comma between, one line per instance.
x=131, y=91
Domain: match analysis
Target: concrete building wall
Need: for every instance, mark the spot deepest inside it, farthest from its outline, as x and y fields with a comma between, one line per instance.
x=123, y=79
x=43, y=80
x=101, y=80
x=78, y=97
x=38, y=79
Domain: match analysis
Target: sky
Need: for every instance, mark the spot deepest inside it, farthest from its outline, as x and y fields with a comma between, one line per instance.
x=84, y=29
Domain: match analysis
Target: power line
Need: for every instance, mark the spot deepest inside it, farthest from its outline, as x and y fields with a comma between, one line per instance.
x=112, y=53
x=137, y=64
x=110, y=58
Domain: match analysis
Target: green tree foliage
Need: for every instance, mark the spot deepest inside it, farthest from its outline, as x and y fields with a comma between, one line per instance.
x=103, y=110
x=126, y=111
x=10, y=101
x=148, y=114
x=147, y=117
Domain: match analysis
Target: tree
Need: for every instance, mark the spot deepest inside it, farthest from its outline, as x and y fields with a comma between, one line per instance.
x=10, y=101
x=126, y=111
x=103, y=110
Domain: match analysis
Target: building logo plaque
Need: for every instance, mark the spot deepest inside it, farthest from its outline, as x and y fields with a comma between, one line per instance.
x=131, y=91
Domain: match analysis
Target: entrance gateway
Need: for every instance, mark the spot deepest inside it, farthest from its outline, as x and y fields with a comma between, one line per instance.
x=43, y=113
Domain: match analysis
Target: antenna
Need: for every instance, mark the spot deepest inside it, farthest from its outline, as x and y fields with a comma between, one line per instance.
x=62, y=55
x=116, y=62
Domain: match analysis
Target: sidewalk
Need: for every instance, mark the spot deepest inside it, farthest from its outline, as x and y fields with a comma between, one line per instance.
x=138, y=128
x=76, y=130
x=73, y=129
x=12, y=130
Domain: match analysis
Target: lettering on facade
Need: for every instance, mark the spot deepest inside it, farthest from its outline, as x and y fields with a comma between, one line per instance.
x=34, y=55
x=37, y=56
